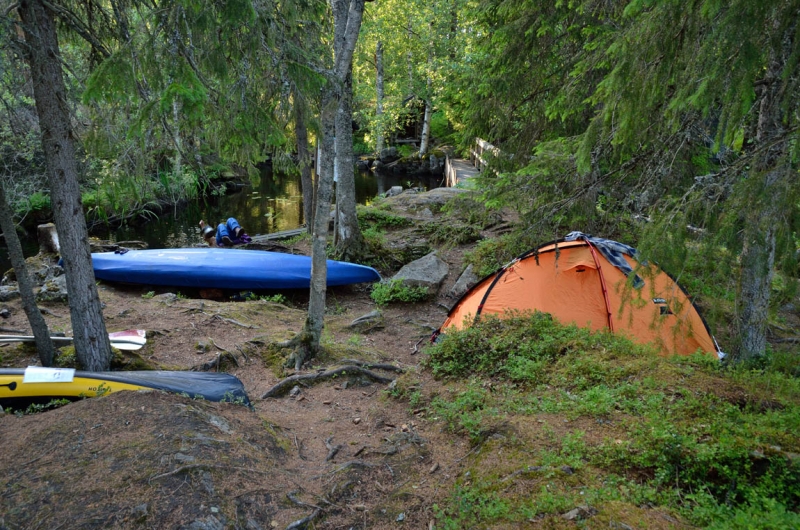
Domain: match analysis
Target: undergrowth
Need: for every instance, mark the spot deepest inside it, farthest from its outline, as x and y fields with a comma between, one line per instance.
x=591, y=419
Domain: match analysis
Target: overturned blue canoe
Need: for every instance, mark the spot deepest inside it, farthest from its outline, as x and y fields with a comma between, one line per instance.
x=222, y=268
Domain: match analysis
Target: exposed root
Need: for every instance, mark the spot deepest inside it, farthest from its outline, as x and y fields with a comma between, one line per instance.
x=305, y=521
x=332, y=449
x=379, y=366
x=216, y=363
x=192, y=467
x=286, y=385
x=231, y=321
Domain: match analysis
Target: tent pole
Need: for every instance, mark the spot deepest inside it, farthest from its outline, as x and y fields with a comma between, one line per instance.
x=603, y=284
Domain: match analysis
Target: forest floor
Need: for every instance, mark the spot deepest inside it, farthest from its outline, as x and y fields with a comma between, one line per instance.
x=352, y=452
x=342, y=451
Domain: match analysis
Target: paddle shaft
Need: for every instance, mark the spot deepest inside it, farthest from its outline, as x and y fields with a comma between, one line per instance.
x=121, y=343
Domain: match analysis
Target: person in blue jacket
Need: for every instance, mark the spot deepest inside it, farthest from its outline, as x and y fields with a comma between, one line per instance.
x=227, y=234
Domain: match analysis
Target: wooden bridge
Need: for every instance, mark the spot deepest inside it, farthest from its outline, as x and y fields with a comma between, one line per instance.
x=458, y=171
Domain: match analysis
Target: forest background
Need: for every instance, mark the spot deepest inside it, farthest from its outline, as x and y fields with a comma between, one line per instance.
x=669, y=125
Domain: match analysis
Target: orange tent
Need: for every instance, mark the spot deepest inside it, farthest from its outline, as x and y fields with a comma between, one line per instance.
x=574, y=282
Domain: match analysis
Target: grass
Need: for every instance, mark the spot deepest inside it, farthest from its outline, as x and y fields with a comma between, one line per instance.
x=560, y=417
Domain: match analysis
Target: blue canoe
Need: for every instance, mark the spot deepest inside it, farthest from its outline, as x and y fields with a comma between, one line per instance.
x=222, y=268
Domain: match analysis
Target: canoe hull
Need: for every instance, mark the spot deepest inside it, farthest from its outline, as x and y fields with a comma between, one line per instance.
x=222, y=268
x=16, y=393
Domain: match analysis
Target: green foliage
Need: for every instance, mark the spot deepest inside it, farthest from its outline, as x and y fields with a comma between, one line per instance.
x=373, y=217
x=714, y=444
x=36, y=408
x=37, y=202
x=491, y=254
x=441, y=129
x=394, y=291
x=451, y=234
x=148, y=295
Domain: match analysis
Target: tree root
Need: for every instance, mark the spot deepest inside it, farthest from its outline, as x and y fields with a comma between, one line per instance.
x=379, y=366
x=192, y=467
x=286, y=385
x=302, y=349
x=332, y=449
x=231, y=321
x=305, y=521
x=205, y=367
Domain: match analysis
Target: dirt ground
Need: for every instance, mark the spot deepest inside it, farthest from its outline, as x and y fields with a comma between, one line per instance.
x=342, y=453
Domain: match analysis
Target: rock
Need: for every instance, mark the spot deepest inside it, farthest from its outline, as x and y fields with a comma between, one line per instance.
x=464, y=283
x=5, y=313
x=182, y=458
x=139, y=513
x=377, y=164
x=362, y=165
x=394, y=190
x=428, y=271
x=401, y=517
x=166, y=298
x=53, y=290
x=579, y=513
x=8, y=293
x=370, y=321
x=388, y=155
x=295, y=391
x=426, y=213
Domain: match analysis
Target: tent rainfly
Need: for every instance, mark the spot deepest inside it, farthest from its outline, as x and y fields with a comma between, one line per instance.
x=594, y=283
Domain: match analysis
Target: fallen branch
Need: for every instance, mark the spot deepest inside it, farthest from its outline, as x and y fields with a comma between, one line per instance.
x=231, y=321
x=286, y=385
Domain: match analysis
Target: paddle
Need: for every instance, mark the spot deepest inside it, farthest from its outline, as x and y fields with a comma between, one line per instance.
x=131, y=339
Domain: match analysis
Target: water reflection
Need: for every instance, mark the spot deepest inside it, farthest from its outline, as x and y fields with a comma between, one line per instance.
x=271, y=203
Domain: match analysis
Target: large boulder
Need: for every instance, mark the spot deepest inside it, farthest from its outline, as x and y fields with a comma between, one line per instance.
x=428, y=271
x=388, y=155
x=464, y=283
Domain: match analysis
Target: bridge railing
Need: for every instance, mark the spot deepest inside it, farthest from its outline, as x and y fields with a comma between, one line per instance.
x=450, y=174
x=479, y=152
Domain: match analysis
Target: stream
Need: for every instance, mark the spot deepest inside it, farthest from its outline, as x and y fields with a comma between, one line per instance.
x=272, y=203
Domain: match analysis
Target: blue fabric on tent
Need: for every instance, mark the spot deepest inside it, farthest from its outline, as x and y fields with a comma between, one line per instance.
x=613, y=251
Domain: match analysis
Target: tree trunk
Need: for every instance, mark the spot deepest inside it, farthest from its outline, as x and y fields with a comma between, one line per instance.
x=347, y=23
x=426, y=126
x=350, y=243
x=347, y=18
x=92, y=346
x=379, y=98
x=40, y=332
x=767, y=188
x=304, y=161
